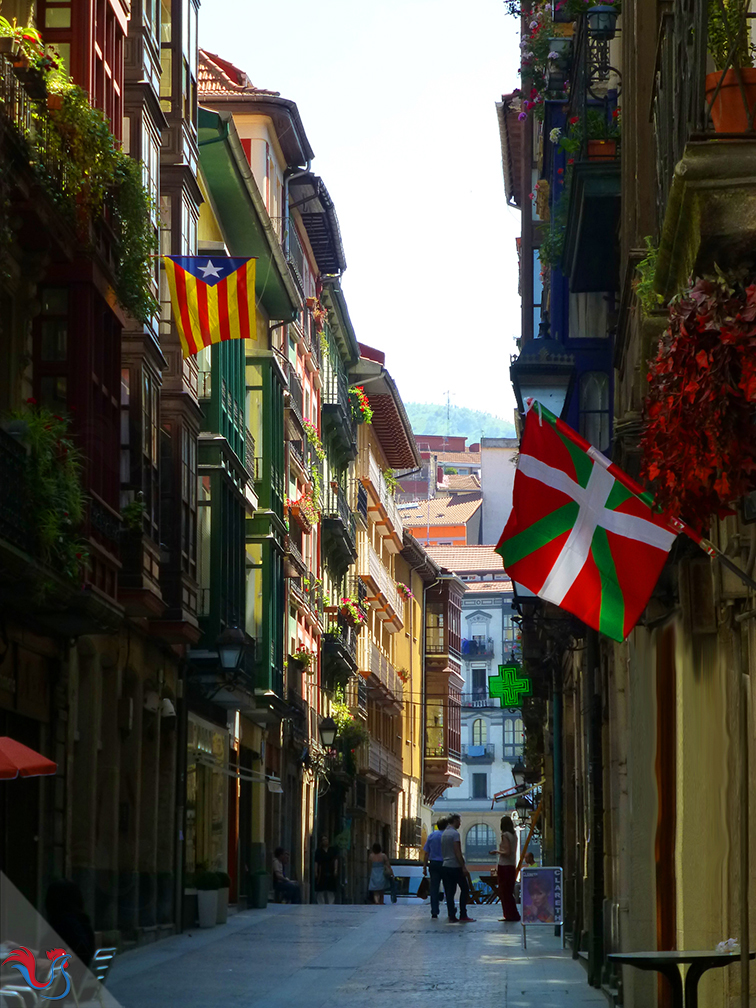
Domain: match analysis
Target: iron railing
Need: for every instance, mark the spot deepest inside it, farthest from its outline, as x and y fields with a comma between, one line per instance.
x=286, y=230
x=478, y=648
x=336, y=507
x=687, y=100
x=341, y=633
x=479, y=753
x=249, y=453
x=296, y=395
x=595, y=90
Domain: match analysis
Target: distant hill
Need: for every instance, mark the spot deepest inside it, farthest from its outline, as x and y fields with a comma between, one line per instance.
x=430, y=418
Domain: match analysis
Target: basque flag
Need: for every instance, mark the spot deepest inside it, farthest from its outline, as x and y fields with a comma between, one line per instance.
x=213, y=299
x=582, y=534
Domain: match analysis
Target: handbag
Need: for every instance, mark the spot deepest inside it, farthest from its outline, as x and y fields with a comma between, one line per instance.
x=423, y=890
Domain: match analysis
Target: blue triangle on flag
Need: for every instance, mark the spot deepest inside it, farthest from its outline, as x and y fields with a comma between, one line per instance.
x=211, y=269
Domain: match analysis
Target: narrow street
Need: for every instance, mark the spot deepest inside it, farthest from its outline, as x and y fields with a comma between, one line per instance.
x=353, y=956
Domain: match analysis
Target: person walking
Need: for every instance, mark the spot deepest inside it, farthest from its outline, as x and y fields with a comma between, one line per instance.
x=433, y=860
x=380, y=873
x=326, y=871
x=454, y=872
x=507, y=868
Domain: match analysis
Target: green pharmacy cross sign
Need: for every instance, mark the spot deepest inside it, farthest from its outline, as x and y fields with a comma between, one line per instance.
x=510, y=685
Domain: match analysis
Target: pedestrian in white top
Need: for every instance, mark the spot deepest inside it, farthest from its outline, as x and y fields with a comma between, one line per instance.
x=454, y=872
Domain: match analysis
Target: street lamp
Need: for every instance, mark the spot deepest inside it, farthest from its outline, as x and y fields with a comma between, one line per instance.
x=602, y=21
x=543, y=371
x=327, y=729
x=518, y=775
x=230, y=644
x=523, y=808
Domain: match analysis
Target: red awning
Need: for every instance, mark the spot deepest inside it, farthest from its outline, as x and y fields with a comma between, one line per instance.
x=17, y=760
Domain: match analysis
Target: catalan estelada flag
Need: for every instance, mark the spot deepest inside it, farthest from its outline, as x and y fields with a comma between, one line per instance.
x=213, y=299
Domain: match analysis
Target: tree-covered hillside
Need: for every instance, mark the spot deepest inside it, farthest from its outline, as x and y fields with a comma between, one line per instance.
x=430, y=418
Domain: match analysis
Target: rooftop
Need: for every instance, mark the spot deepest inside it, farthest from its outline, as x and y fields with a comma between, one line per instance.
x=456, y=509
x=457, y=458
x=467, y=560
x=463, y=482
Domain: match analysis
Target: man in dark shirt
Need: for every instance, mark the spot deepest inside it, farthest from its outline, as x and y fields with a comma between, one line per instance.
x=326, y=871
x=433, y=860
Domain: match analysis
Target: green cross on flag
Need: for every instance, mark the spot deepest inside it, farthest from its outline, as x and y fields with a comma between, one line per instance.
x=509, y=685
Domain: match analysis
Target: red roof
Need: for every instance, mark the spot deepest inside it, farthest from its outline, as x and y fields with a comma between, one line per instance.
x=466, y=559
x=456, y=509
x=217, y=76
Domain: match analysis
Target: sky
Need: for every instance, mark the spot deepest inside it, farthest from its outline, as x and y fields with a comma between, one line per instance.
x=398, y=100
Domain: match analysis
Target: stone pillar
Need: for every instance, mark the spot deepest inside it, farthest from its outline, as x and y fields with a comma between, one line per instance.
x=148, y=814
x=108, y=769
x=166, y=813
x=128, y=809
x=83, y=791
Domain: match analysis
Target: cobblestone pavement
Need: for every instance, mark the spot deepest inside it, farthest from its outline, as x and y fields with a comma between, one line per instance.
x=350, y=957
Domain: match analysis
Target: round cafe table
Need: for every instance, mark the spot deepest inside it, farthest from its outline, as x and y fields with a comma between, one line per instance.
x=670, y=963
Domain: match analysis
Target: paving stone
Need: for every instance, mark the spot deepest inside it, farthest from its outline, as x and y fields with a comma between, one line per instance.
x=353, y=957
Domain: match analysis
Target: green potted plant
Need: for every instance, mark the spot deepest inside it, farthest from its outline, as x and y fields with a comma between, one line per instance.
x=224, y=884
x=731, y=88
x=207, y=884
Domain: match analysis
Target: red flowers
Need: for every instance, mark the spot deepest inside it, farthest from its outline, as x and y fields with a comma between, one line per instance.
x=574, y=120
x=699, y=442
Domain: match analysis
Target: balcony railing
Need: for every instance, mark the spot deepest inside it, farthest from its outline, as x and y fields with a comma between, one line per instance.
x=688, y=101
x=379, y=762
x=249, y=453
x=385, y=673
x=337, y=409
x=478, y=754
x=336, y=512
x=478, y=698
x=381, y=589
x=296, y=395
x=286, y=230
x=377, y=488
x=478, y=648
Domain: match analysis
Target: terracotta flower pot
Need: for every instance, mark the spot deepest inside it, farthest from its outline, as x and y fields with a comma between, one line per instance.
x=602, y=150
x=728, y=113
x=54, y=102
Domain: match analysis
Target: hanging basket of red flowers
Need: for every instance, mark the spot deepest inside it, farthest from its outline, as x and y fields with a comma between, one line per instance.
x=304, y=513
x=699, y=441
x=361, y=409
x=352, y=613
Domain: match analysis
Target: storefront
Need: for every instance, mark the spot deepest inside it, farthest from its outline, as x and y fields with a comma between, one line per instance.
x=206, y=796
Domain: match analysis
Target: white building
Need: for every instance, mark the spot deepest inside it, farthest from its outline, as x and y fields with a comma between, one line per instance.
x=497, y=471
x=492, y=736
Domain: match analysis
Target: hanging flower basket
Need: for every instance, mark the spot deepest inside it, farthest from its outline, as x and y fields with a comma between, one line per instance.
x=304, y=513
x=361, y=409
x=351, y=612
x=699, y=441
x=404, y=592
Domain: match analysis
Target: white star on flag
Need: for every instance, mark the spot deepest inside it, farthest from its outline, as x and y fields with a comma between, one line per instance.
x=209, y=270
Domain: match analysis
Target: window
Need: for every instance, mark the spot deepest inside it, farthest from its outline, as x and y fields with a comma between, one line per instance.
x=594, y=408
x=479, y=684
x=480, y=841
x=480, y=785
x=588, y=316
x=479, y=732
x=434, y=628
x=513, y=738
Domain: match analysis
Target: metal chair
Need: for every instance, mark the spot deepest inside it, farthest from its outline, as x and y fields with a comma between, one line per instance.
x=18, y=996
